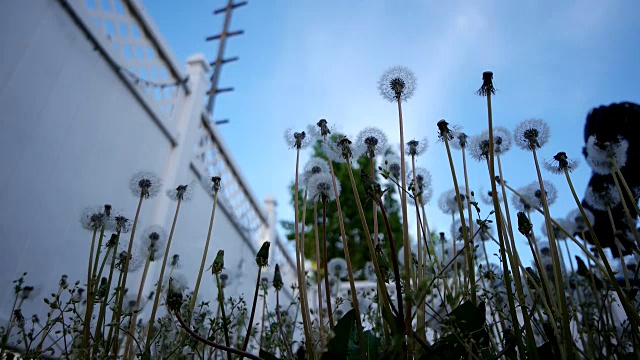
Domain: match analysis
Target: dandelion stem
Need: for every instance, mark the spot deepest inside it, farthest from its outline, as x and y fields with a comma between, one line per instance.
x=225, y=326
x=327, y=289
x=347, y=258
x=204, y=256
x=125, y=271
x=300, y=269
x=303, y=262
x=156, y=301
x=211, y=343
x=385, y=297
x=253, y=313
x=499, y=224
x=134, y=316
x=630, y=220
x=285, y=343
x=465, y=234
x=318, y=282
x=86, y=331
x=405, y=231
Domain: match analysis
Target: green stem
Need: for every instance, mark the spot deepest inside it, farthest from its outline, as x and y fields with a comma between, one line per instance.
x=253, y=313
x=324, y=263
x=225, y=327
x=156, y=300
x=123, y=285
x=192, y=304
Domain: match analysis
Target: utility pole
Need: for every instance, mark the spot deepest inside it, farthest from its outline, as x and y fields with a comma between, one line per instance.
x=220, y=60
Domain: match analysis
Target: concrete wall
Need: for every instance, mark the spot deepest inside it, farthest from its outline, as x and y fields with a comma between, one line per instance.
x=74, y=129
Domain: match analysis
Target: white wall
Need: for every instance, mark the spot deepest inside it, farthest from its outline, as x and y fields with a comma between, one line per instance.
x=72, y=132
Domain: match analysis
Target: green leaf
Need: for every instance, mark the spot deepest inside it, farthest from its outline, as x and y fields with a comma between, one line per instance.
x=267, y=355
x=338, y=345
x=582, y=268
x=371, y=342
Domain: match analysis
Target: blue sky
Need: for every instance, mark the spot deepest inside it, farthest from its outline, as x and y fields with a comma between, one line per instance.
x=305, y=60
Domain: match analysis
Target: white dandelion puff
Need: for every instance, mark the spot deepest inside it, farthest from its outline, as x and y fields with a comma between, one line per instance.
x=93, y=218
x=478, y=148
x=416, y=147
x=313, y=167
x=561, y=162
x=320, y=188
x=602, y=198
x=372, y=141
x=296, y=140
x=398, y=82
x=422, y=186
x=578, y=222
x=153, y=240
x=460, y=140
x=392, y=163
x=145, y=184
x=337, y=267
x=181, y=192
x=448, y=201
x=531, y=134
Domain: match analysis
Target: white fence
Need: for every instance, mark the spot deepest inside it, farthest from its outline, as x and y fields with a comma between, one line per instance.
x=90, y=94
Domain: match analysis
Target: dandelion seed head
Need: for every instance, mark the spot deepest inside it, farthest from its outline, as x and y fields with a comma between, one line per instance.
x=417, y=147
x=135, y=259
x=487, y=197
x=93, y=218
x=599, y=154
x=372, y=140
x=549, y=189
x=502, y=139
x=323, y=127
x=602, y=196
x=398, y=82
x=177, y=282
x=561, y=162
x=528, y=200
x=456, y=229
x=557, y=233
x=531, y=134
x=370, y=271
x=579, y=224
x=296, y=140
x=123, y=224
x=339, y=149
x=145, y=184
x=313, y=167
x=320, y=187
x=448, y=201
x=460, y=140
x=422, y=185
x=153, y=239
x=181, y=192
x=337, y=267
x=393, y=165
x=478, y=148
x=175, y=260
x=211, y=184
x=445, y=132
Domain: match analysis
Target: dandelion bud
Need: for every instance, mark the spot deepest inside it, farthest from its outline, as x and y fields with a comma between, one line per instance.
x=417, y=147
x=277, y=279
x=122, y=224
x=175, y=260
x=218, y=263
x=262, y=258
x=524, y=225
x=63, y=281
x=107, y=210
